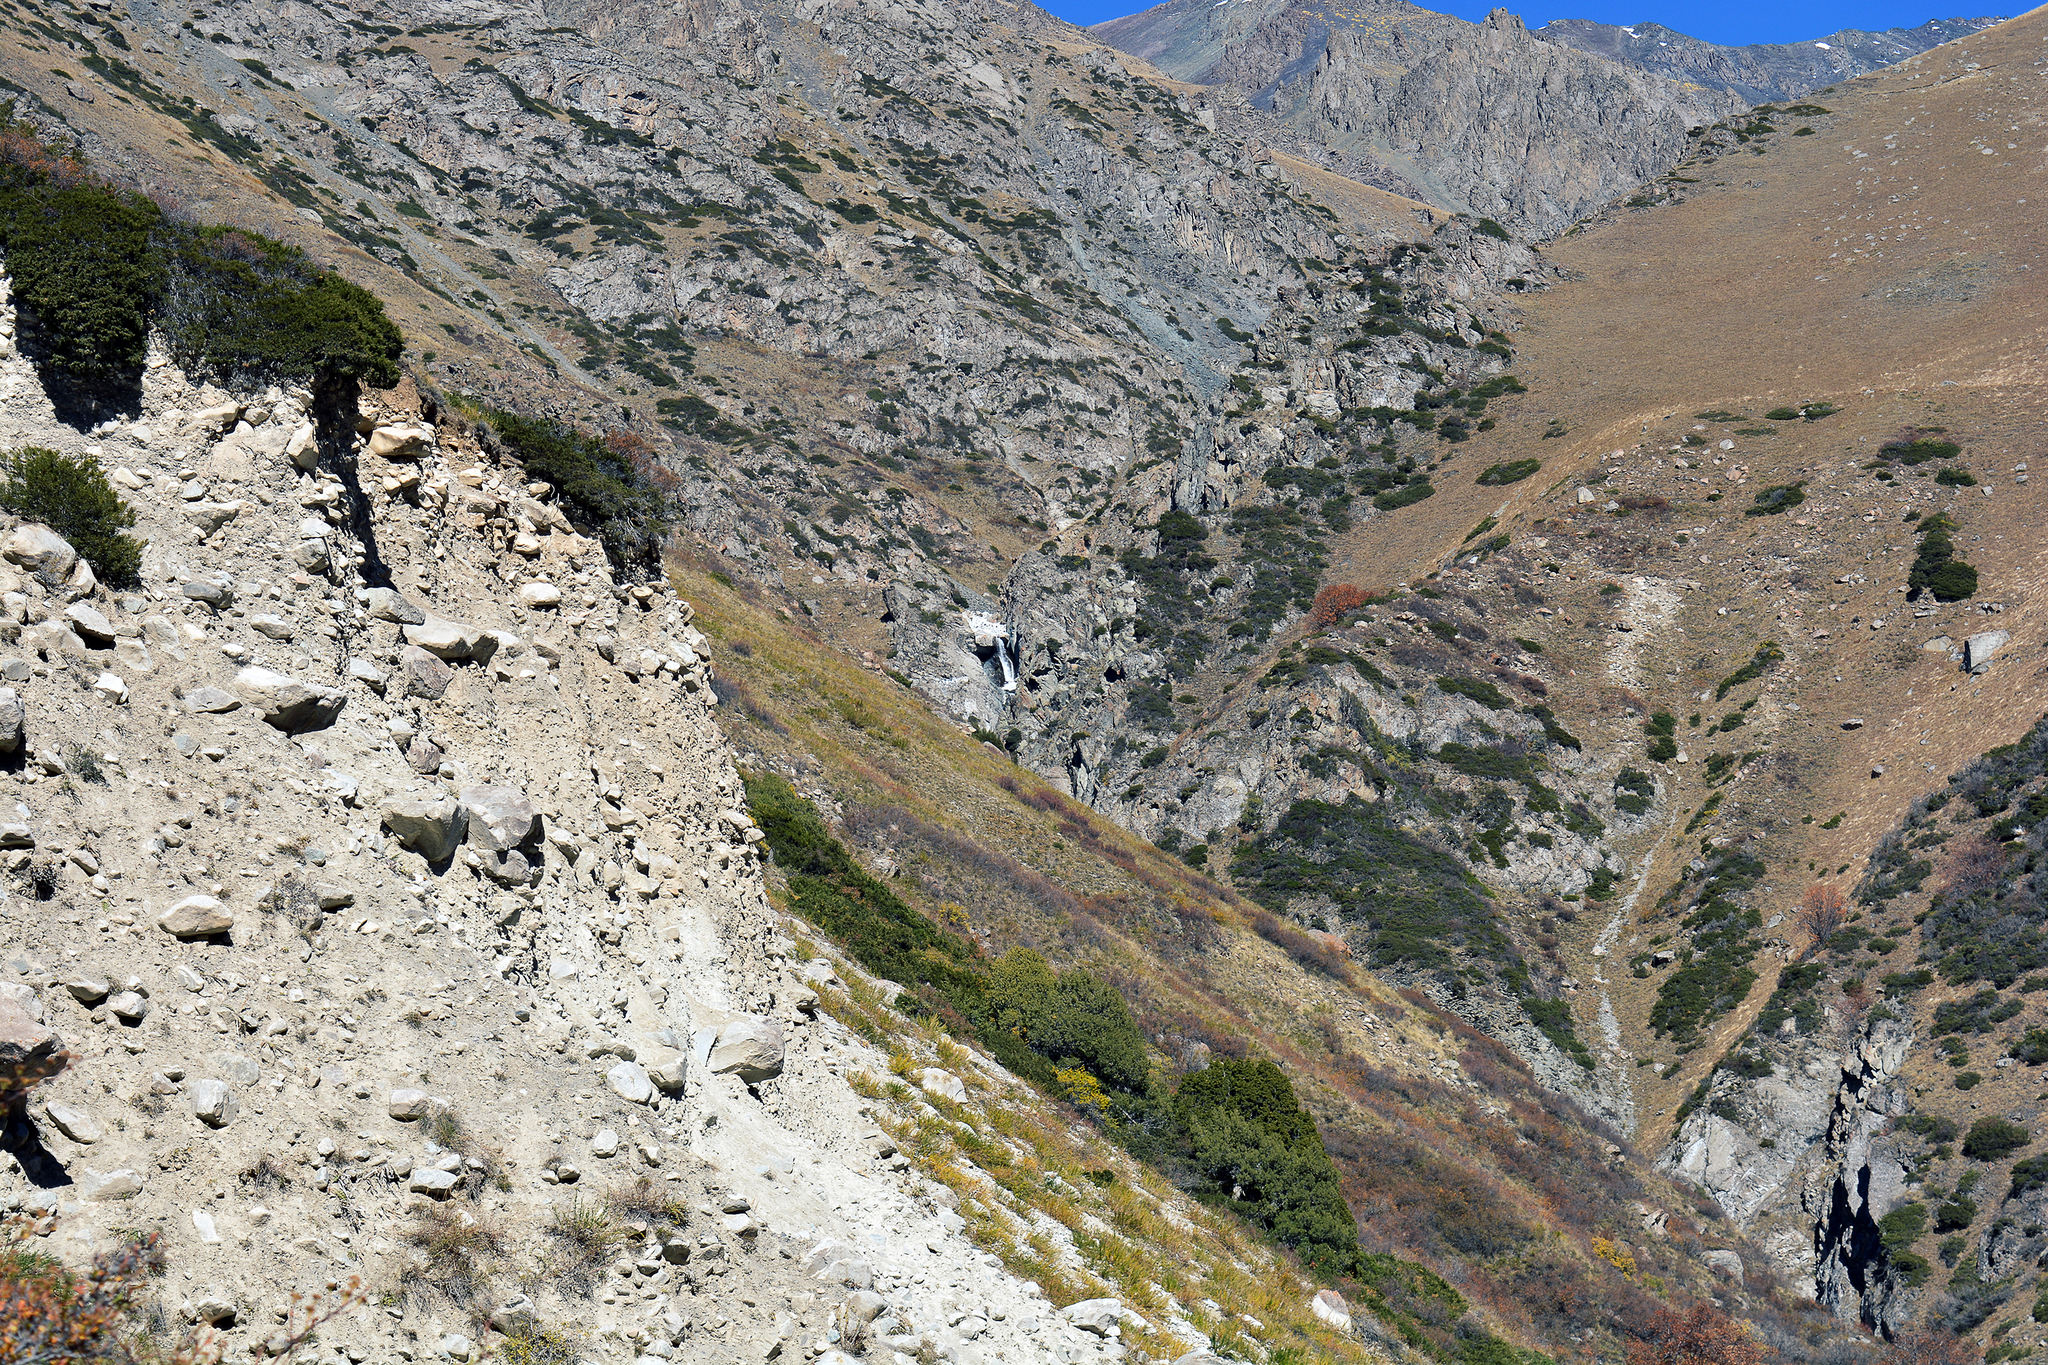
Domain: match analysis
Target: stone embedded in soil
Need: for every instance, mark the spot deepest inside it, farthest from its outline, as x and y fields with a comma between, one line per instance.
x=196, y=917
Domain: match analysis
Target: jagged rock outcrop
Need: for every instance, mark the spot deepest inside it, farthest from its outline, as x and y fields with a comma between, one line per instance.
x=1802, y=1158
x=1394, y=94
x=1496, y=123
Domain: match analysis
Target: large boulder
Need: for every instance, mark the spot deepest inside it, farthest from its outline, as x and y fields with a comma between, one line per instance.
x=942, y=1083
x=29, y=1049
x=630, y=1082
x=401, y=442
x=1978, y=649
x=431, y=826
x=449, y=640
x=288, y=704
x=500, y=818
x=423, y=674
x=90, y=625
x=387, y=604
x=1094, y=1315
x=835, y=1262
x=13, y=717
x=213, y=1102
x=749, y=1047
x=1330, y=1307
x=196, y=917
x=40, y=550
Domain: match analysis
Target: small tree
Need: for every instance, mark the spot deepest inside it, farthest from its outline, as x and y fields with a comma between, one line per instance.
x=1820, y=914
x=1334, y=603
x=73, y=498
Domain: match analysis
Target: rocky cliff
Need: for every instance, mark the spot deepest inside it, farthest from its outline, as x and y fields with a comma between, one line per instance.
x=1500, y=125
x=1470, y=117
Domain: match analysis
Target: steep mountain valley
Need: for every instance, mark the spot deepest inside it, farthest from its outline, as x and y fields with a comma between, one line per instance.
x=942, y=694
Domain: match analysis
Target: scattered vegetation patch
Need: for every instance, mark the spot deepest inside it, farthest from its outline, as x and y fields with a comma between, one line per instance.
x=1510, y=471
x=615, y=486
x=1775, y=499
x=1936, y=569
x=71, y=495
x=1768, y=653
x=1410, y=901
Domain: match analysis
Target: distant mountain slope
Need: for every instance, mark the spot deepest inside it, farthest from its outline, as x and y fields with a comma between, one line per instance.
x=1760, y=72
x=1486, y=118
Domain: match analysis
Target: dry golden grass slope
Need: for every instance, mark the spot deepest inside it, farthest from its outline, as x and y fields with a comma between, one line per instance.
x=1890, y=262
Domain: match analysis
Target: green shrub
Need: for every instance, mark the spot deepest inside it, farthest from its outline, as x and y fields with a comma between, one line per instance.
x=2028, y=1175
x=85, y=275
x=1994, y=1139
x=1793, y=999
x=1478, y=689
x=1775, y=499
x=1953, y=582
x=2032, y=1047
x=1782, y=415
x=616, y=488
x=1919, y=450
x=242, y=306
x=1072, y=1019
x=1955, y=477
x=1661, y=732
x=73, y=498
x=1767, y=653
x=1509, y=471
x=1897, y=1231
x=1492, y=229
x=1395, y=499
x=95, y=266
x=1252, y=1145
x=1478, y=760
x=1933, y=1127
x=1958, y=1212
x=1935, y=566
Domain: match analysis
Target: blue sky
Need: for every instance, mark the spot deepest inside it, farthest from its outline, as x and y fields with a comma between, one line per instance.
x=1731, y=21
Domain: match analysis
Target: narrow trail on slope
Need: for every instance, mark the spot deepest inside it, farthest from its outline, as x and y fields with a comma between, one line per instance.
x=1603, y=949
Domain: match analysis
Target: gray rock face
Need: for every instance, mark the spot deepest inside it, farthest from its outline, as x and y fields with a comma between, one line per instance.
x=1807, y=1165
x=1496, y=123
x=1383, y=91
